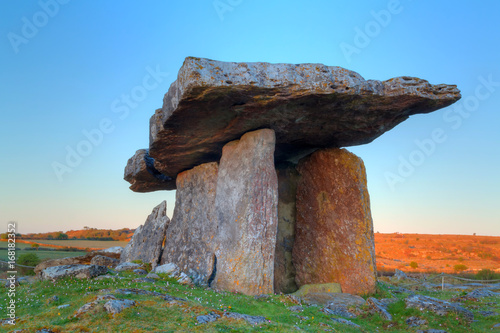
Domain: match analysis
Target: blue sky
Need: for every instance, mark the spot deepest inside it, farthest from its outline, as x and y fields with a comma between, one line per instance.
x=68, y=67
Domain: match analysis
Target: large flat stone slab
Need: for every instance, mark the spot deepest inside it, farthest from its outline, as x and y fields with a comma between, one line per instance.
x=146, y=243
x=246, y=208
x=334, y=240
x=189, y=238
x=309, y=106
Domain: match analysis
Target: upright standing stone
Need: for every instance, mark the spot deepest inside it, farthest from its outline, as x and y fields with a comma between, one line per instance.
x=246, y=208
x=189, y=240
x=284, y=272
x=334, y=239
x=146, y=243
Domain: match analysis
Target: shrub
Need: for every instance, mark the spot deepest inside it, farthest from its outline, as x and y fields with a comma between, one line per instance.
x=413, y=264
x=28, y=259
x=487, y=274
x=460, y=268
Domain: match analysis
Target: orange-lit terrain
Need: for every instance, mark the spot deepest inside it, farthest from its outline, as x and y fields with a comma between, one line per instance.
x=436, y=253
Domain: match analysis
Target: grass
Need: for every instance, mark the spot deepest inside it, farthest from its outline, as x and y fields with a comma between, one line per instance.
x=152, y=314
x=95, y=244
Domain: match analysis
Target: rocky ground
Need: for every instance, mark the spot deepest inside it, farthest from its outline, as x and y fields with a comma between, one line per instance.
x=129, y=299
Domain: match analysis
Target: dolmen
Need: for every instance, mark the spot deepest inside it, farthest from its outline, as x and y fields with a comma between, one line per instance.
x=267, y=198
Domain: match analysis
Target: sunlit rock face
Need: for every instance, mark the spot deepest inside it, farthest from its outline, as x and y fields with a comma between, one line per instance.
x=334, y=239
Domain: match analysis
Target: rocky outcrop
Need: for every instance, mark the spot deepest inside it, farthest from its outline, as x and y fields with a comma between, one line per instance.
x=79, y=260
x=77, y=271
x=284, y=271
x=147, y=241
x=246, y=209
x=309, y=106
x=189, y=238
x=437, y=306
x=334, y=239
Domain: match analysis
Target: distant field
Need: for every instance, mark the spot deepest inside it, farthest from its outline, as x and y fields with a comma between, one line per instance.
x=44, y=254
x=82, y=243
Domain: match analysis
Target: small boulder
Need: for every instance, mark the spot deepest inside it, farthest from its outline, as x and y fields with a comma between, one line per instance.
x=77, y=271
x=117, y=250
x=342, y=305
x=207, y=318
x=140, y=271
x=127, y=266
x=152, y=276
x=104, y=261
x=115, y=306
x=169, y=268
x=398, y=275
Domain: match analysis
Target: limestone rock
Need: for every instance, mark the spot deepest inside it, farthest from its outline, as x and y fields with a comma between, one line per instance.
x=253, y=320
x=127, y=266
x=379, y=307
x=246, y=208
x=115, y=306
x=284, y=271
x=146, y=243
x=334, y=239
x=189, y=237
x=343, y=305
x=309, y=106
x=112, y=252
x=77, y=271
x=168, y=268
x=208, y=318
x=143, y=176
x=437, y=306
x=104, y=261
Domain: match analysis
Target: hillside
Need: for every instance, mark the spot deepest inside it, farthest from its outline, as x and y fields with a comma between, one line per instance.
x=436, y=253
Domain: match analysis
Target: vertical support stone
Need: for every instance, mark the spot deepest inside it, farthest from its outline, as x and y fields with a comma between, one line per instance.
x=147, y=241
x=334, y=239
x=284, y=271
x=189, y=238
x=246, y=208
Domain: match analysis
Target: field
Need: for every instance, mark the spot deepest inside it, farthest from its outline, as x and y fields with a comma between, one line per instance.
x=82, y=244
x=436, y=253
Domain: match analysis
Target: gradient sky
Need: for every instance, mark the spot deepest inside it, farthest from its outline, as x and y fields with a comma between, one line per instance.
x=67, y=65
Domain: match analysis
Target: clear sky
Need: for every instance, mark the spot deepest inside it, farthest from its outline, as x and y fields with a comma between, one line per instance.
x=68, y=67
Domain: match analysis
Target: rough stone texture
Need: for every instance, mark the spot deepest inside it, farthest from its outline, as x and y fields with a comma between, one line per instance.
x=284, y=272
x=343, y=304
x=104, y=261
x=334, y=239
x=246, y=208
x=116, y=306
x=379, y=307
x=308, y=106
x=77, y=271
x=127, y=266
x=253, y=320
x=146, y=243
x=189, y=238
x=141, y=173
x=437, y=306
x=112, y=252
